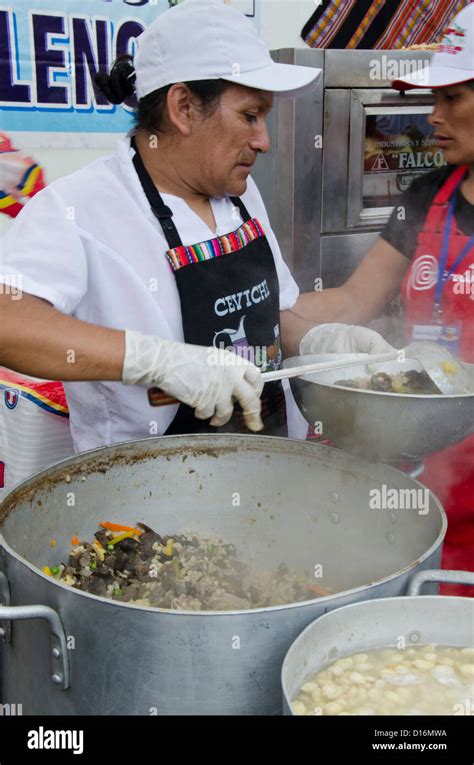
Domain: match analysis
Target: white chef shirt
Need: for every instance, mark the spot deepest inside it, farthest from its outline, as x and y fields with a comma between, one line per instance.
x=90, y=245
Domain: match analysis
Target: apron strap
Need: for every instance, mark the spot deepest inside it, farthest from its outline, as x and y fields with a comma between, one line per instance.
x=160, y=210
x=450, y=185
x=237, y=202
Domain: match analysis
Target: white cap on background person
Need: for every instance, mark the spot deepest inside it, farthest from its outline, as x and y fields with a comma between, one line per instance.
x=209, y=40
x=453, y=62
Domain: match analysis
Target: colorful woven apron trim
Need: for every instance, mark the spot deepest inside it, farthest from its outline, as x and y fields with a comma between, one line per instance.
x=214, y=248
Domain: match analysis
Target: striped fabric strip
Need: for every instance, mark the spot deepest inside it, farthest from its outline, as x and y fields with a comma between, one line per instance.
x=214, y=248
x=329, y=21
x=437, y=25
x=403, y=24
x=379, y=24
x=367, y=21
x=425, y=24
x=353, y=22
x=435, y=21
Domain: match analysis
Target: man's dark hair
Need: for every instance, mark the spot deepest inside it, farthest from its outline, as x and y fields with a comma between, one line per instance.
x=119, y=86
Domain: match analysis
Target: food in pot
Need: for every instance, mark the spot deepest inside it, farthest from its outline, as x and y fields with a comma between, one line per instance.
x=184, y=571
x=412, y=382
x=422, y=680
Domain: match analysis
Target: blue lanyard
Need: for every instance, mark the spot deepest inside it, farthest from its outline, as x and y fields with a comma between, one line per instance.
x=442, y=277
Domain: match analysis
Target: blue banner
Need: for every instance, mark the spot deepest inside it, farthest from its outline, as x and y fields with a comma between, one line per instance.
x=48, y=57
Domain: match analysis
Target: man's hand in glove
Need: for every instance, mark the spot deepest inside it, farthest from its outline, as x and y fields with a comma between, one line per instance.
x=205, y=379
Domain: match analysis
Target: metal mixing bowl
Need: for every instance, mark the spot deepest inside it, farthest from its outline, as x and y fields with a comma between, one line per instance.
x=387, y=427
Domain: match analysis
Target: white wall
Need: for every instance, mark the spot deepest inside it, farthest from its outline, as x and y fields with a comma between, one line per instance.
x=281, y=21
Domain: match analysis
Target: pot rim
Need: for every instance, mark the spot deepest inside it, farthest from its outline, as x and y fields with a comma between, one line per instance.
x=393, y=601
x=413, y=396
x=343, y=594
x=373, y=602
x=63, y=465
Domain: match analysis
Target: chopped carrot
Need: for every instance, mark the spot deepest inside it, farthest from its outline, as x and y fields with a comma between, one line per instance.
x=318, y=590
x=75, y=540
x=119, y=527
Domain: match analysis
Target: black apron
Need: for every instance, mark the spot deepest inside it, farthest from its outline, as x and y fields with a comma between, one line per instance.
x=229, y=295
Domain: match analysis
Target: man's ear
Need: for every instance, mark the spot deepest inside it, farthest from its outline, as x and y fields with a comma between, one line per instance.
x=181, y=109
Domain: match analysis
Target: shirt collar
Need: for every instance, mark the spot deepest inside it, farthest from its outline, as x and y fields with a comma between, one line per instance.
x=125, y=154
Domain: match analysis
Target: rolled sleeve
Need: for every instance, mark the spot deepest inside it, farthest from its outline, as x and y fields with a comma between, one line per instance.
x=43, y=254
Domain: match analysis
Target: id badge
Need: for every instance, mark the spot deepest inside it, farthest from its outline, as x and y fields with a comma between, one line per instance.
x=448, y=335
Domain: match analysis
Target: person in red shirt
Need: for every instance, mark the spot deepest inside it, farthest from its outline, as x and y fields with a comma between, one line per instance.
x=427, y=256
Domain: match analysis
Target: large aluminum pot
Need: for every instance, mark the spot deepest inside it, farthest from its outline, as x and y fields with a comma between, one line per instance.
x=431, y=619
x=389, y=427
x=277, y=500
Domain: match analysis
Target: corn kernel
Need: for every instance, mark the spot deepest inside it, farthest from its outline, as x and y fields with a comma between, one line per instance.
x=298, y=708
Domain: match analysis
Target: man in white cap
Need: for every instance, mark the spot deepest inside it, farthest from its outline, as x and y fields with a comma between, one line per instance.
x=137, y=269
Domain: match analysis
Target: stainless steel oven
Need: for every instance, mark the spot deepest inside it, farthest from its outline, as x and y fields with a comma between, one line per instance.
x=341, y=158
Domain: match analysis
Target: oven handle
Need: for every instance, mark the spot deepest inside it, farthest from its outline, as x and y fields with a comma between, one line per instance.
x=59, y=654
x=416, y=93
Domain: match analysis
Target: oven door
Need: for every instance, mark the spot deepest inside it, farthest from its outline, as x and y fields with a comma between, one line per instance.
x=384, y=141
x=390, y=144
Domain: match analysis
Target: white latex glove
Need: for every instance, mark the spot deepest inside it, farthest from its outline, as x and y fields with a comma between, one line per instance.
x=342, y=338
x=207, y=379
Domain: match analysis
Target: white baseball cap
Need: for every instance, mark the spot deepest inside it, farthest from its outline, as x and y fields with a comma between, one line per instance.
x=209, y=40
x=453, y=62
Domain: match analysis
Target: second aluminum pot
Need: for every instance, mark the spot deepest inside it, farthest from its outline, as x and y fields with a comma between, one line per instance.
x=384, y=623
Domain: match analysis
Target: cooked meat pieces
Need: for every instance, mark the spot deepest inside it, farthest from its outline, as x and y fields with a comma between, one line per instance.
x=381, y=381
x=187, y=572
x=410, y=382
x=419, y=381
